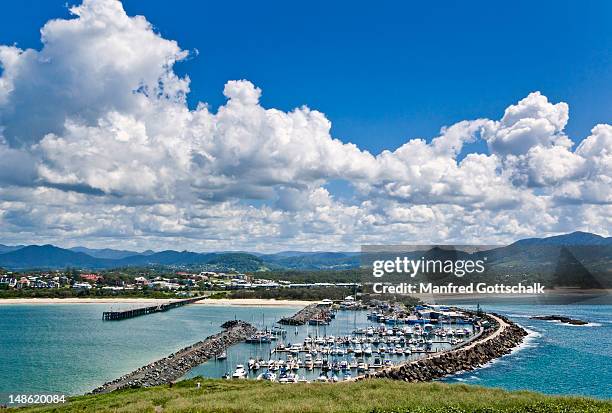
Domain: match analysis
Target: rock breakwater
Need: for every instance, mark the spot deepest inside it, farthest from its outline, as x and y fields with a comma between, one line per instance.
x=174, y=366
x=312, y=311
x=500, y=337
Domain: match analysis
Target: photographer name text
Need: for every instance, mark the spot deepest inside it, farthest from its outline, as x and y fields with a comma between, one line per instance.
x=473, y=288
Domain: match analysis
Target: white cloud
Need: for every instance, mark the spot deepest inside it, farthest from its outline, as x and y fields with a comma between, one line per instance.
x=533, y=121
x=98, y=146
x=99, y=61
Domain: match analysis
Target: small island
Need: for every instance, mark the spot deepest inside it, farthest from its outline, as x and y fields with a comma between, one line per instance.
x=562, y=319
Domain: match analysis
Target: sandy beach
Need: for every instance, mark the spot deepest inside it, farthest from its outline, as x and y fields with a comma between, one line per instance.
x=225, y=302
x=259, y=302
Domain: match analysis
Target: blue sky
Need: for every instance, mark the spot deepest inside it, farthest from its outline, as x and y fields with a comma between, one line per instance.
x=382, y=72
x=103, y=143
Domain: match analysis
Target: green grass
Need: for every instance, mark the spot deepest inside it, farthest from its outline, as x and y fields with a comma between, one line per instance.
x=372, y=396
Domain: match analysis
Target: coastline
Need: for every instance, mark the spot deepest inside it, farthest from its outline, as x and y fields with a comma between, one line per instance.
x=224, y=302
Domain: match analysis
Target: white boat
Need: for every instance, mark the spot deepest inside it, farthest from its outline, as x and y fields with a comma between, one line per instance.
x=268, y=375
x=295, y=349
x=288, y=378
x=322, y=378
x=222, y=356
x=362, y=366
x=308, y=363
x=358, y=350
x=240, y=372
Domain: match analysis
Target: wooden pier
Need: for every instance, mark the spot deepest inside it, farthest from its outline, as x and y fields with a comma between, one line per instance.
x=136, y=312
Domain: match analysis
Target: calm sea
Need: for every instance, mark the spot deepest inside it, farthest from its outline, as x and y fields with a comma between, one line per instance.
x=69, y=349
x=556, y=358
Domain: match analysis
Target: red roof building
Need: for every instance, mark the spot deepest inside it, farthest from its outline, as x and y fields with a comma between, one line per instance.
x=91, y=277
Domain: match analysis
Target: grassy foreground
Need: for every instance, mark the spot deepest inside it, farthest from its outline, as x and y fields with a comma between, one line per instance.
x=372, y=396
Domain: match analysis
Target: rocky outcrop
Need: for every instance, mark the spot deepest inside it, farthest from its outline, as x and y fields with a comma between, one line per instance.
x=312, y=311
x=177, y=364
x=496, y=340
x=561, y=319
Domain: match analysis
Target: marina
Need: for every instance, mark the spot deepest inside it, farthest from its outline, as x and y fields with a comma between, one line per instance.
x=350, y=344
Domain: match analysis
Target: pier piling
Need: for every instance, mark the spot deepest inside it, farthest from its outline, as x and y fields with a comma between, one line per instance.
x=136, y=312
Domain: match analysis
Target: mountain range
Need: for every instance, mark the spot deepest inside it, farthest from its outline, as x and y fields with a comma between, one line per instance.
x=527, y=253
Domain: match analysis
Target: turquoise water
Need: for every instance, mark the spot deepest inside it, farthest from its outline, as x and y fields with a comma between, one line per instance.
x=69, y=349
x=557, y=358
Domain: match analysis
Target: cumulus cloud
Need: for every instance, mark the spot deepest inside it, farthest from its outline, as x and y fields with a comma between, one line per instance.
x=533, y=121
x=99, y=61
x=98, y=146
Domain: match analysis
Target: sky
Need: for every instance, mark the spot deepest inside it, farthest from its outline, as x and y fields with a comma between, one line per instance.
x=349, y=123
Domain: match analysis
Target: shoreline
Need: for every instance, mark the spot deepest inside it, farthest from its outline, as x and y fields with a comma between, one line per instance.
x=223, y=302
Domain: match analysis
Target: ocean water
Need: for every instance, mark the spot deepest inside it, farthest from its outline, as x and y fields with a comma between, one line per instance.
x=69, y=349
x=556, y=358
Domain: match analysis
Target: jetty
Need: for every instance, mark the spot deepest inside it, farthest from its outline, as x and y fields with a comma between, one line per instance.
x=176, y=365
x=319, y=313
x=499, y=337
x=136, y=312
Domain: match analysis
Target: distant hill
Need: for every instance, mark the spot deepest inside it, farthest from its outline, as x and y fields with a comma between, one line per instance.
x=47, y=256
x=222, y=261
x=9, y=248
x=106, y=253
x=313, y=260
x=577, y=259
x=574, y=239
x=51, y=257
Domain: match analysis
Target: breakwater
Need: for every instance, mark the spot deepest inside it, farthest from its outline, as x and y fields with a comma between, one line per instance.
x=136, y=312
x=176, y=365
x=312, y=311
x=496, y=339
